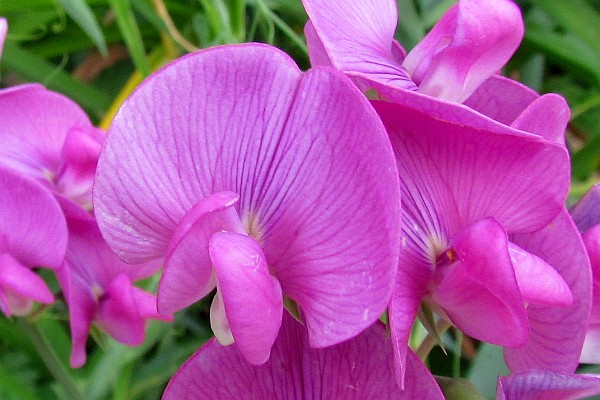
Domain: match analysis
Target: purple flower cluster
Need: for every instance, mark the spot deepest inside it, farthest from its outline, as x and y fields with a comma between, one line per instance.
x=312, y=210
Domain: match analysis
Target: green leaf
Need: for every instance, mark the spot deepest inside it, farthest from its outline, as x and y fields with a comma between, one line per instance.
x=577, y=16
x=487, y=367
x=131, y=35
x=82, y=14
x=568, y=50
x=36, y=69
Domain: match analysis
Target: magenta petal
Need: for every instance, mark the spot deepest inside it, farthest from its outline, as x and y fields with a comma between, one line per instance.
x=35, y=123
x=358, y=38
x=358, y=369
x=547, y=385
x=82, y=309
x=478, y=290
x=547, y=116
x=252, y=298
x=316, y=51
x=22, y=281
x=501, y=99
x=472, y=41
x=118, y=314
x=188, y=275
x=412, y=280
x=457, y=175
x=556, y=334
x=310, y=161
x=32, y=225
x=538, y=281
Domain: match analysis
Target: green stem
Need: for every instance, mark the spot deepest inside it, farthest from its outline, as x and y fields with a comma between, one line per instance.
x=285, y=28
x=48, y=355
x=457, y=354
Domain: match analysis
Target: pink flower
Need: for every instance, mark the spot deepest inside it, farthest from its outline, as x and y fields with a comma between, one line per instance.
x=265, y=182
x=98, y=287
x=487, y=243
x=32, y=234
x=49, y=138
x=450, y=74
x=360, y=368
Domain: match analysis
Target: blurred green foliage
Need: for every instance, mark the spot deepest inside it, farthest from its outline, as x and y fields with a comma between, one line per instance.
x=96, y=51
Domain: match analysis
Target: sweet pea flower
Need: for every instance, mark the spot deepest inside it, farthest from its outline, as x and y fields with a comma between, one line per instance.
x=487, y=243
x=272, y=185
x=586, y=214
x=99, y=287
x=32, y=234
x=450, y=74
x=547, y=385
x=49, y=138
x=361, y=368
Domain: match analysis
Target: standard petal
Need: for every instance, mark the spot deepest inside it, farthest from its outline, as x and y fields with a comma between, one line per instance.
x=547, y=385
x=32, y=225
x=477, y=288
x=183, y=154
x=251, y=297
x=188, y=274
x=454, y=175
x=472, y=41
x=360, y=368
x=556, y=334
x=358, y=38
x=310, y=161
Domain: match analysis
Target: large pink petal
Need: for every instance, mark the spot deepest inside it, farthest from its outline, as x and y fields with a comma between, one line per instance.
x=252, y=298
x=454, y=175
x=35, y=123
x=358, y=38
x=547, y=385
x=472, y=41
x=188, y=272
x=32, y=225
x=501, y=99
x=556, y=334
x=360, y=368
x=477, y=288
x=310, y=161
